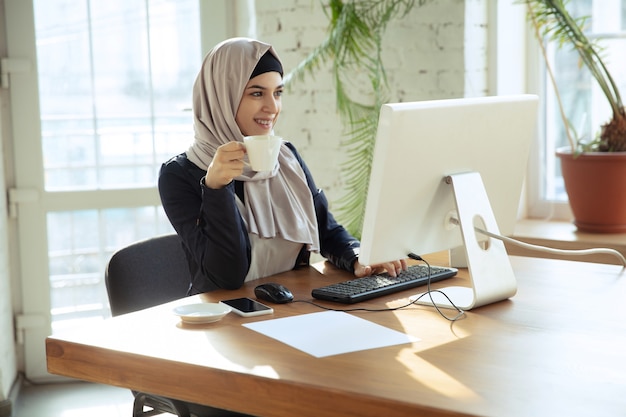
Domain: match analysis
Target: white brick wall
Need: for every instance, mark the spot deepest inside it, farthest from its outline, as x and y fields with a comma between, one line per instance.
x=424, y=56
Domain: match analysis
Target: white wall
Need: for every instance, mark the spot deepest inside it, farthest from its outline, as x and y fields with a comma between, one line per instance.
x=8, y=363
x=7, y=348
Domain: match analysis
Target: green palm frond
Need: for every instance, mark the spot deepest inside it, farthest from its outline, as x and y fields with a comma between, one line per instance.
x=357, y=169
x=353, y=48
x=556, y=24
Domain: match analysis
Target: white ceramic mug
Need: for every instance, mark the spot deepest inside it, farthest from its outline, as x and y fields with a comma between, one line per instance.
x=262, y=151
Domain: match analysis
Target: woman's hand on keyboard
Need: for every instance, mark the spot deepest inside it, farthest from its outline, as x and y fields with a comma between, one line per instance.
x=393, y=268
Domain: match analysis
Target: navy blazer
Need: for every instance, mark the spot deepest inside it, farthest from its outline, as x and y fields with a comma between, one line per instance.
x=213, y=233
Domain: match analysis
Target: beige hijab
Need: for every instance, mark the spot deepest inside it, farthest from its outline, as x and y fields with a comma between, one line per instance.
x=278, y=203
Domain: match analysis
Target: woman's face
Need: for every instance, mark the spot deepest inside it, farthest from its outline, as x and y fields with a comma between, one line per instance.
x=260, y=105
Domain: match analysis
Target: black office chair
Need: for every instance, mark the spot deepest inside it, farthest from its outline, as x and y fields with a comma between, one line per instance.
x=142, y=275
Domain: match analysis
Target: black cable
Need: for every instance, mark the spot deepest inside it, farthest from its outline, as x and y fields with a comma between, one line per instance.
x=429, y=292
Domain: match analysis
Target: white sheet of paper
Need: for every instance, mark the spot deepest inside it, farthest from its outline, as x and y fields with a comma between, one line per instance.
x=329, y=333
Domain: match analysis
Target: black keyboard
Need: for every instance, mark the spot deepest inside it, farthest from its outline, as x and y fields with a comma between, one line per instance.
x=361, y=289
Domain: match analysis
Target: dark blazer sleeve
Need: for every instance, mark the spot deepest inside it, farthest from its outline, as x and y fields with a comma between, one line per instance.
x=208, y=222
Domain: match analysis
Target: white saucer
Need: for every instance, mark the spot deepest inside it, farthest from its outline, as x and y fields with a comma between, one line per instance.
x=202, y=312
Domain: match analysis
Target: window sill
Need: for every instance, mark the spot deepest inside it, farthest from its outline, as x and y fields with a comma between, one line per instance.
x=563, y=235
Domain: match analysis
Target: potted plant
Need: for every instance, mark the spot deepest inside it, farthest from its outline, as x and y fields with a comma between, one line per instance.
x=594, y=172
x=353, y=45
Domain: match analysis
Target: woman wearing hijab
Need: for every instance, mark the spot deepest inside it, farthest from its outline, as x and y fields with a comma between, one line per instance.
x=237, y=224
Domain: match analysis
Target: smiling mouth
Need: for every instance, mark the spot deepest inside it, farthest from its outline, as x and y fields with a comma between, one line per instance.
x=263, y=122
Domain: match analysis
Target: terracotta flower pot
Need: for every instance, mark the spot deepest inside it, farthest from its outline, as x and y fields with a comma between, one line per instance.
x=596, y=186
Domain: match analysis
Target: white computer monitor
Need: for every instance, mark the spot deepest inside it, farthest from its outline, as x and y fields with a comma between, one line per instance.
x=471, y=142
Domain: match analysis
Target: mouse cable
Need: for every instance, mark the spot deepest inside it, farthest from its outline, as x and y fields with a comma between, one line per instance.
x=566, y=252
x=429, y=292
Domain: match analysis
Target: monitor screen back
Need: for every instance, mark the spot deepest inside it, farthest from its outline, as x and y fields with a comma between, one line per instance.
x=417, y=145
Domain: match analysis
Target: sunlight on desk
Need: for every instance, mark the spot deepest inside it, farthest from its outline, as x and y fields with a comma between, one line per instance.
x=435, y=332
x=434, y=378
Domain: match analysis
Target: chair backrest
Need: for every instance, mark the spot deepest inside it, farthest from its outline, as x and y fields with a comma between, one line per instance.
x=147, y=273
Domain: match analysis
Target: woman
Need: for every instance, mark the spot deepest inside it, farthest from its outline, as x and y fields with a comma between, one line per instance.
x=236, y=224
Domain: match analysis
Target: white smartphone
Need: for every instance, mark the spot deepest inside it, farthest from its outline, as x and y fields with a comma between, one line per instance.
x=247, y=307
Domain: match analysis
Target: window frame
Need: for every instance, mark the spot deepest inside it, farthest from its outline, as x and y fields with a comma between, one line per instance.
x=538, y=206
x=540, y=163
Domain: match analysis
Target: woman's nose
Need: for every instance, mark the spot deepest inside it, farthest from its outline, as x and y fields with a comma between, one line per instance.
x=271, y=105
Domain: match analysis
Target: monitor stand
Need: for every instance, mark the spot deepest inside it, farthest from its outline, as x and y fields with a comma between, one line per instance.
x=490, y=273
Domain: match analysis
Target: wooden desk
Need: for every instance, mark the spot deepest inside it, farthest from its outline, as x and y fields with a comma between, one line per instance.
x=557, y=348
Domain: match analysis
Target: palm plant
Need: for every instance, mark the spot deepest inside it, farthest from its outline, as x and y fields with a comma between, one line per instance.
x=353, y=46
x=552, y=21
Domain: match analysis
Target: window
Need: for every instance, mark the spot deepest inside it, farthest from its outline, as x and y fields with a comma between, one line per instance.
x=583, y=102
x=115, y=80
